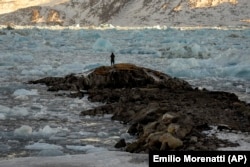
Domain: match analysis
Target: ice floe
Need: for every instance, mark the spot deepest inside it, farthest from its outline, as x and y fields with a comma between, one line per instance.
x=43, y=146
x=24, y=130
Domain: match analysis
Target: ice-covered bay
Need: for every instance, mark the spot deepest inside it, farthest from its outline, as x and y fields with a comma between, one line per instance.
x=35, y=122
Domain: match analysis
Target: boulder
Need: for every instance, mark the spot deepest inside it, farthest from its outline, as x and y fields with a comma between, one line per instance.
x=170, y=140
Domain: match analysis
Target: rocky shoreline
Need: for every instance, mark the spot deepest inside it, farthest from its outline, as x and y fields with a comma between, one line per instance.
x=165, y=113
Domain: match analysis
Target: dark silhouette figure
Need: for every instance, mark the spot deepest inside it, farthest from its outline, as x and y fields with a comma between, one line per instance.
x=112, y=57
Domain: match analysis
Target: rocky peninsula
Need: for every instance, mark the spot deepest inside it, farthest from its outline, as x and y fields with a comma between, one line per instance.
x=164, y=113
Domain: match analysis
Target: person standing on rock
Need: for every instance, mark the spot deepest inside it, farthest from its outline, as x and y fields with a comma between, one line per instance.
x=112, y=57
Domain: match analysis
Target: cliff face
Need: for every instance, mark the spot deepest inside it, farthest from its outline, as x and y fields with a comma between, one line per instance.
x=126, y=12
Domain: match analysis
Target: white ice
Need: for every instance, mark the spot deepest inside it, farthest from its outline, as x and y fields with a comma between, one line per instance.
x=103, y=45
x=24, y=130
x=243, y=139
x=47, y=131
x=19, y=111
x=2, y=116
x=50, y=153
x=13, y=112
x=87, y=149
x=43, y=146
x=24, y=92
x=4, y=111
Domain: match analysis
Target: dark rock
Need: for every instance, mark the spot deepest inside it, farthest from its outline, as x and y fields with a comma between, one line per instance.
x=120, y=144
x=136, y=147
x=223, y=127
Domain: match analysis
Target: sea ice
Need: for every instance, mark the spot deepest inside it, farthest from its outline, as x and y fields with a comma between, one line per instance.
x=102, y=134
x=74, y=67
x=13, y=112
x=4, y=147
x=22, y=97
x=18, y=58
x=4, y=109
x=24, y=130
x=47, y=131
x=180, y=50
x=247, y=90
x=50, y=153
x=2, y=116
x=126, y=136
x=43, y=146
x=21, y=92
x=103, y=45
x=86, y=149
x=32, y=72
x=87, y=133
x=242, y=139
x=3, y=112
x=19, y=111
x=237, y=137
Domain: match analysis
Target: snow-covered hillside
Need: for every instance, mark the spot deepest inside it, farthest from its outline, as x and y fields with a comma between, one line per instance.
x=126, y=12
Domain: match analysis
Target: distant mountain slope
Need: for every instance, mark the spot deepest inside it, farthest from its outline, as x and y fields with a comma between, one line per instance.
x=126, y=12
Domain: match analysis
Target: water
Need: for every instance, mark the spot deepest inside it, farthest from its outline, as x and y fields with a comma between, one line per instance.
x=34, y=122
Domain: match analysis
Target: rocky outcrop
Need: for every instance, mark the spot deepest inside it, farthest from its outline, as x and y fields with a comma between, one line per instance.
x=119, y=76
x=164, y=113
